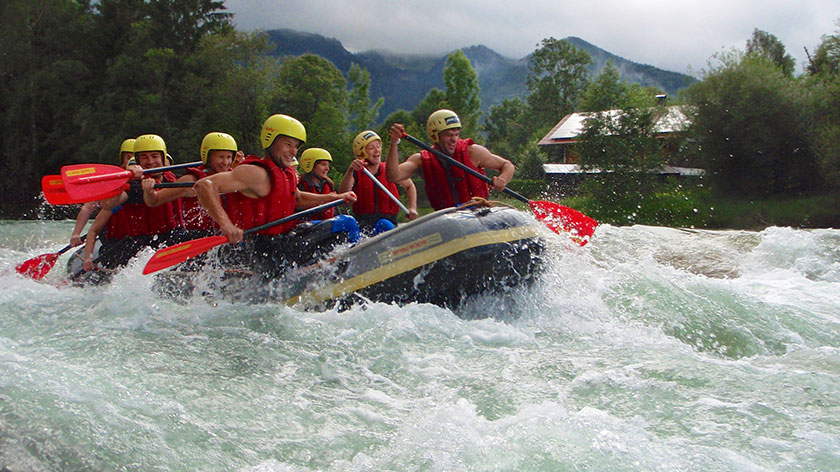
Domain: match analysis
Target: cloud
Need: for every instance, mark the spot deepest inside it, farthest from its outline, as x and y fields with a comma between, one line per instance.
x=677, y=36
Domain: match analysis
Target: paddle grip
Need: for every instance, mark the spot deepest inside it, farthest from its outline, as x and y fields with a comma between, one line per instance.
x=463, y=167
x=174, y=184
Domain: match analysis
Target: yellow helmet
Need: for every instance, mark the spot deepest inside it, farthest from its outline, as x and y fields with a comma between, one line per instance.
x=311, y=156
x=439, y=121
x=216, y=141
x=361, y=140
x=276, y=125
x=126, y=146
x=150, y=142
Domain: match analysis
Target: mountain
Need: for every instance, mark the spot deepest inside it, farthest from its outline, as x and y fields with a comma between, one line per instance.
x=404, y=79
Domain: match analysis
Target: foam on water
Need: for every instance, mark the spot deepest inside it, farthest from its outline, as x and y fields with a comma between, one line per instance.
x=649, y=349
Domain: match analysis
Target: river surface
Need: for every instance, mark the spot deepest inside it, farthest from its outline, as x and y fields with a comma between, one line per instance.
x=650, y=349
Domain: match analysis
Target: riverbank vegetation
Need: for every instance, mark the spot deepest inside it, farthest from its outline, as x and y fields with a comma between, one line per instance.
x=79, y=77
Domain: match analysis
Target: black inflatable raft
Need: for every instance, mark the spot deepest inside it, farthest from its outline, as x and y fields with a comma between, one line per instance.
x=443, y=258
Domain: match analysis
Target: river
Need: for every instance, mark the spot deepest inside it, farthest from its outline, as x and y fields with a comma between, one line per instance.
x=648, y=349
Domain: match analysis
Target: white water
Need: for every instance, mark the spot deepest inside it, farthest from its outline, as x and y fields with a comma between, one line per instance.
x=649, y=349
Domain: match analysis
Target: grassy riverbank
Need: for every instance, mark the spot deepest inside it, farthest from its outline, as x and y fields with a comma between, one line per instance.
x=698, y=208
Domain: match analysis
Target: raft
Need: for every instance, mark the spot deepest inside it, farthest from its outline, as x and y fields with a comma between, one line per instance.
x=443, y=258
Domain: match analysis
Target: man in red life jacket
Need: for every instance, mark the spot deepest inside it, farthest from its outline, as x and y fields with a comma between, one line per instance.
x=260, y=190
x=447, y=185
x=372, y=204
x=217, y=152
x=135, y=225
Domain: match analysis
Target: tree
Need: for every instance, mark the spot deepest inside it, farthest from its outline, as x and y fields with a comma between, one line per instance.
x=507, y=128
x=767, y=45
x=434, y=100
x=462, y=91
x=312, y=90
x=608, y=92
x=751, y=129
x=622, y=146
x=45, y=78
x=236, y=85
x=556, y=75
x=362, y=113
x=826, y=60
x=823, y=91
x=605, y=92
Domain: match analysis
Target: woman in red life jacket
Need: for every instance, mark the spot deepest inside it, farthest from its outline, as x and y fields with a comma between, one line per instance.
x=372, y=204
x=446, y=185
x=217, y=152
x=264, y=189
x=90, y=208
x=135, y=226
x=315, y=165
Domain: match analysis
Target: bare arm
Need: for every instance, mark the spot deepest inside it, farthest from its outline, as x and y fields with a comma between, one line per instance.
x=394, y=170
x=349, y=179
x=251, y=181
x=81, y=220
x=484, y=159
x=99, y=224
x=155, y=198
x=411, y=196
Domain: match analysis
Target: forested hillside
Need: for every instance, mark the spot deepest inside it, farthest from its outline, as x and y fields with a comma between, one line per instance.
x=403, y=80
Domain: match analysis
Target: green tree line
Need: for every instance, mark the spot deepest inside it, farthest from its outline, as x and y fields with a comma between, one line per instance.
x=78, y=77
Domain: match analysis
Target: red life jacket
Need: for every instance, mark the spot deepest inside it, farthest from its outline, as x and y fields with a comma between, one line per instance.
x=371, y=200
x=195, y=216
x=246, y=212
x=447, y=185
x=310, y=183
x=138, y=219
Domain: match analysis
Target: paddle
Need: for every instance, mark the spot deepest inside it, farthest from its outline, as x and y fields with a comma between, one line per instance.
x=84, y=180
x=37, y=267
x=56, y=193
x=172, y=255
x=384, y=189
x=557, y=217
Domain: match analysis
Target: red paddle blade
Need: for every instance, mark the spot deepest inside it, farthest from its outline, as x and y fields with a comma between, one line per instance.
x=84, y=181
x=37, y=267
x=169, y=256
x=562, y=218
x=56, y=193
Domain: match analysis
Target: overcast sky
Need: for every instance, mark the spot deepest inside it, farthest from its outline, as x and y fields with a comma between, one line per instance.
x=674, y=35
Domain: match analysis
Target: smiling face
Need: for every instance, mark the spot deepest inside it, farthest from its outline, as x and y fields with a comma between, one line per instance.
x=220, y=161
x=373, y=152
x=447, y=139
x=321, y=169
x=149, y=159
x=283, y=150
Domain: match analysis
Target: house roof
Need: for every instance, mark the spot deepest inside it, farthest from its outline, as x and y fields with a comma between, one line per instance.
x=567, y=130
x=559, y=169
